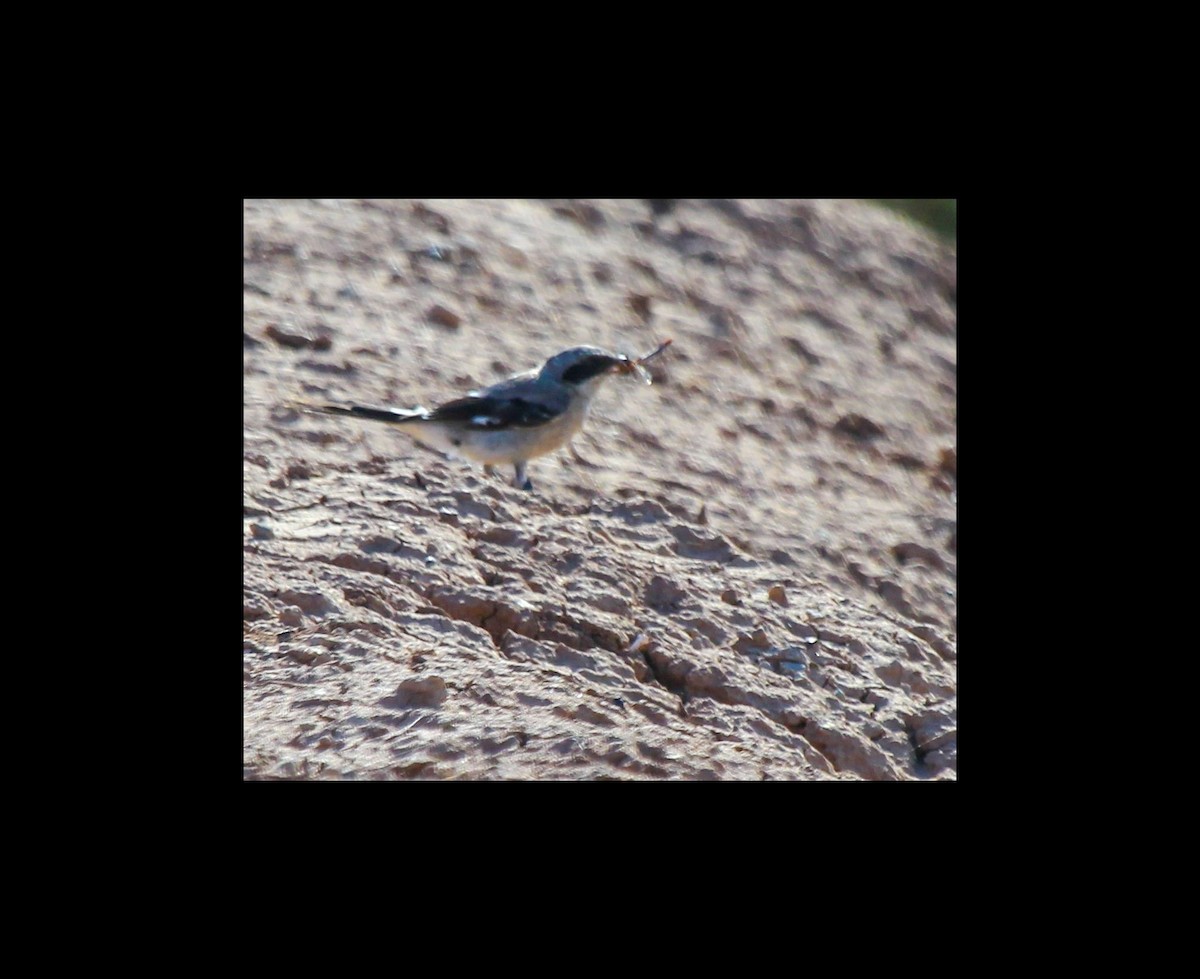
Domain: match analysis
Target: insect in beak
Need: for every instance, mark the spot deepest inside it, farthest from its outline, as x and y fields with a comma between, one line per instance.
x=634, y=365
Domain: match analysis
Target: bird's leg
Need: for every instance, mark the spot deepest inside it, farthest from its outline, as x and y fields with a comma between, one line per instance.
x=520, y=480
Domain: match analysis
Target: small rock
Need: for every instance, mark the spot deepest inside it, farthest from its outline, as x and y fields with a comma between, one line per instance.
x=700, y=546
x=948, y=461
x=730, y=597
x=431, y=218
x=514, y=257
x=310, y=601
x=296, y=340
x=426, y=691
x=858, y=426
x=641, y=305
x=801, y=351
x=755, y=640
x=443, y=317
x=261, y=531
x=664, y=595
x=588, y=215
x=912, y=551
x=777, y=595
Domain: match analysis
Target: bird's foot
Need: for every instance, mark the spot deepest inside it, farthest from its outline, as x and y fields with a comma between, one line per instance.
x=520, y=479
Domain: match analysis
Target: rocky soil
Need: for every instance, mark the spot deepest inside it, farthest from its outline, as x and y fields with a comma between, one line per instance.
x=746, y=570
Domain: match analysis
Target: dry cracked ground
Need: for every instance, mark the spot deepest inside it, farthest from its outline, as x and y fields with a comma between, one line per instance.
x=744, y=571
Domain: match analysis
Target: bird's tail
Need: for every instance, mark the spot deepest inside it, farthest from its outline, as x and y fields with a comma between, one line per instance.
x=395, y=416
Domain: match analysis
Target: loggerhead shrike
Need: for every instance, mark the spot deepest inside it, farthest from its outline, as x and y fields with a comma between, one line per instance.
x=518, y=419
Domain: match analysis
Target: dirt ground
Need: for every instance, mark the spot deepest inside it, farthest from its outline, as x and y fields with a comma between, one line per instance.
x=746, y=570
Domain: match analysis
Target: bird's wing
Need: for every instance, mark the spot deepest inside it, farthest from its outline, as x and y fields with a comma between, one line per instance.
x=489, y=412
x=523, y=385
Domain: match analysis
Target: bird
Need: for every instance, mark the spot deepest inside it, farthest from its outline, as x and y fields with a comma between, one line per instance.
x=518, y=419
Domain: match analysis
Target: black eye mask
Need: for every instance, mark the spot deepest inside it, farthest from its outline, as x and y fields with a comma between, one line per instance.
x=589, y=367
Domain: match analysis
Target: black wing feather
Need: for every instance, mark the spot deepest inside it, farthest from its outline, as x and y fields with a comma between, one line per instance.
x=498, y=412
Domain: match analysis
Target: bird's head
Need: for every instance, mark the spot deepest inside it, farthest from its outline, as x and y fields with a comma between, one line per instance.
x=582, y=365
x=579, y=365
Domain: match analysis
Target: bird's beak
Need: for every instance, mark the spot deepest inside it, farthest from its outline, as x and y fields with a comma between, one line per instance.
x=633, y=366
x=627, y=365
